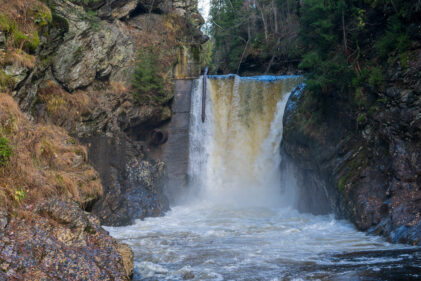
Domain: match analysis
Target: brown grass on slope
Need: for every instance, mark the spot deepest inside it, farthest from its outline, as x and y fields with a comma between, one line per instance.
x=45, y=162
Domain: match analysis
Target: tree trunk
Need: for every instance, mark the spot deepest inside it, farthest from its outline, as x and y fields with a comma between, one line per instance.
x=344, y=31
x=265, y=27
x=275, y=16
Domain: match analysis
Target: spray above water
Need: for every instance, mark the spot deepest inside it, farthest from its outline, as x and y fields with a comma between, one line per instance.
x=234, y=155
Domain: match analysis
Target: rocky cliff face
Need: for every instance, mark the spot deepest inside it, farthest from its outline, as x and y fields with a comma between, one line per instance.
x=69, y=65
x=59, y=241
x=365, y=165
x=81, y=82
x=45, y=181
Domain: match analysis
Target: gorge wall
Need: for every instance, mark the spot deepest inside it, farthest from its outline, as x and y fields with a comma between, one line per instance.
x=70, y=66
x=81, y=82
x=364, y=166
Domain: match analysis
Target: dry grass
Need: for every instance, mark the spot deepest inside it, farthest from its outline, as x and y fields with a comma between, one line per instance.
x=28, y=15
x=21, y=21
x=46, y=162
x=117, y=88
x=65, y=109
x=19, y=58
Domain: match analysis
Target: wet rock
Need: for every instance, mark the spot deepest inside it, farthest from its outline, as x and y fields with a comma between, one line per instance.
x=17, y=73
x=34, y=248
x=370, y=174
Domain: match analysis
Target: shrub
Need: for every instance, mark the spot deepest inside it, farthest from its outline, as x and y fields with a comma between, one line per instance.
x=6, y=82
x=5, y=23
x=5, y=151
x=376, y=77
x=395, y=39
x=326, y=75
x=147, y=82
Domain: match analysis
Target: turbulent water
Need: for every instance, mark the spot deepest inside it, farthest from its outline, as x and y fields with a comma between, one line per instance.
x=237, y=221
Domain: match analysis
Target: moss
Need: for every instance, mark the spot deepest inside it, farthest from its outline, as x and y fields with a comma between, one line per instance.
x=341, y=183
x=5, y=23
x=362, y=118
x=78, y=53
x=6, y=82
x=6, y=151
x=42, y=16
x=60, y=23
x=196, y=52
x=404, y=59
x=47, y=61
x=93, y=19
x=361, y=98
x=360, y=161
x=89, y=229
x=376, y=77
x=26, y=42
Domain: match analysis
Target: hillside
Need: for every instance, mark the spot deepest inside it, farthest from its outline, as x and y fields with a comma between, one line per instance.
x=83, y=84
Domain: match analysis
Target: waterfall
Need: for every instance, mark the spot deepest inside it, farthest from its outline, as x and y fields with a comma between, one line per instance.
x=234, y=155
x=237, y=222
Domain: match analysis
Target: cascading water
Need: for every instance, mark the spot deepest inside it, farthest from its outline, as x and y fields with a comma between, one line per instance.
x=236, y=222
x=234, y=155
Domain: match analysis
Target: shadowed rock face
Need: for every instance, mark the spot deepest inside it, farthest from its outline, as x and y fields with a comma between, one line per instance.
x=60, y=242
x=369, y=170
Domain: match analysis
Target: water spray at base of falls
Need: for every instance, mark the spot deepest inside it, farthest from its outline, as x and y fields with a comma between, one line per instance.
x=234, y=154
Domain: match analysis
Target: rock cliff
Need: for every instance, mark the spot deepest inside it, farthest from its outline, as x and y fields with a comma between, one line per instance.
x=363, y=162
x=82, y=81
x=70, y=65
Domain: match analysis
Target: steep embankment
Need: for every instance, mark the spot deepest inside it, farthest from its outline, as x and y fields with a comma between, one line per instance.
x=97, y=73
x=103, y=70
x=363, y=159
x=44, y=181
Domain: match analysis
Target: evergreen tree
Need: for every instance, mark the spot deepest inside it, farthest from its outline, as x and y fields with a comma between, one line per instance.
x=147, y=83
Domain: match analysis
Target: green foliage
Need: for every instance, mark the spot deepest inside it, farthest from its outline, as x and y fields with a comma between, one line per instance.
x=43, y=16
x=327, y=68
x=147, y=82
x=92, y=17
x=19, y=195
x=206, y=53
x=5, y=23
x=6, y=82
x=318, y=25
x=395, y=39
x=6, y=151
x=78, y=53
x=326, y=75
x=362, y=119
x=26, y=42
x=376, y=77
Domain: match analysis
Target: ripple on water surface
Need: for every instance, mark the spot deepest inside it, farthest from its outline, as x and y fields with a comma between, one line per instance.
x=208, y=242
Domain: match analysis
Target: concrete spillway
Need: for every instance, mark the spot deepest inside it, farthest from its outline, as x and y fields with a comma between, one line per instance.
x=176, y=150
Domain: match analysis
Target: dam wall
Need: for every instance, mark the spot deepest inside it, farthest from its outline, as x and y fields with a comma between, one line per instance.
x=176, y=150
